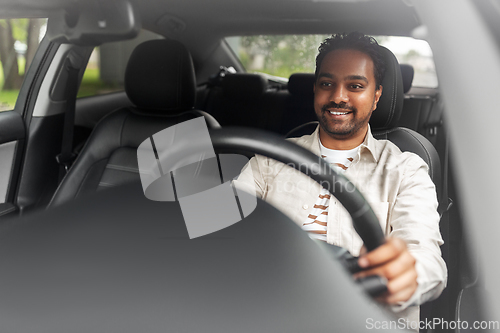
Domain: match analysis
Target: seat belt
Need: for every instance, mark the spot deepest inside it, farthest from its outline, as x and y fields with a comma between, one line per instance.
x=434, y=121
x=446, y=202
x=436, y=135
x=66, y=157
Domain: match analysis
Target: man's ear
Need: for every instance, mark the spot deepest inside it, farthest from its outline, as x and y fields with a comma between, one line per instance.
x=314, y=87
x=378, y=93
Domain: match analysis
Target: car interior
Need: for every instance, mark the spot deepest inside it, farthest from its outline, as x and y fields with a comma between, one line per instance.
x=57, y=150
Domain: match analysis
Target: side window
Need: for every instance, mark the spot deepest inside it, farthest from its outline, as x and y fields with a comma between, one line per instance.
x=19, y=39
x=414, y=52
x=105, y=70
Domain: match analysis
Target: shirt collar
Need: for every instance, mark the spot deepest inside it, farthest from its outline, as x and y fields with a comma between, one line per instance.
x=369, y=145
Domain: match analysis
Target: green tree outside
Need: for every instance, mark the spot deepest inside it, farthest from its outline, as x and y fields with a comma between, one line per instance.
x=279, y=55
x=19, y=39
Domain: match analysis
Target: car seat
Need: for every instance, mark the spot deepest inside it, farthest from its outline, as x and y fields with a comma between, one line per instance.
x=160, y=82
x=239, y=100
x=407, y=73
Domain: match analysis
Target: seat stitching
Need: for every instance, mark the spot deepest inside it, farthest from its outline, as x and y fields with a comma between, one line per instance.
x=179, y=79
x=123, y=125
x=103, y=184
x=122, y=168
x=393, y=98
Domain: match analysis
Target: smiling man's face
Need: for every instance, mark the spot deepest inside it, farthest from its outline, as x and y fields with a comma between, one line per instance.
x=345, y=96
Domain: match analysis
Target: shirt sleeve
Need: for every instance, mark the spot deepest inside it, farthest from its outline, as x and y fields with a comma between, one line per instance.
x=414, y=218
x=251, y=178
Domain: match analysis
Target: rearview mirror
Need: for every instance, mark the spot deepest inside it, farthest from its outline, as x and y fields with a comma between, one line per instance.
x=90, y=23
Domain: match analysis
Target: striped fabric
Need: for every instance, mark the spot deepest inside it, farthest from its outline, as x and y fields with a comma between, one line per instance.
x=316, y=223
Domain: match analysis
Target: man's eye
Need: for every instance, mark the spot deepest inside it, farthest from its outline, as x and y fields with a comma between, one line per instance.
x=326, y=84
x=356, y=86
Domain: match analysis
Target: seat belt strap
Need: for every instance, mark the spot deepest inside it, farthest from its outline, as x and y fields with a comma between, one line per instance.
x=434, y=120
x=446, y=202
x=66, y=157
x=439, y=139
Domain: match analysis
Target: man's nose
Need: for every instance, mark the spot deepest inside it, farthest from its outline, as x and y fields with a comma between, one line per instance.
x=339, y=94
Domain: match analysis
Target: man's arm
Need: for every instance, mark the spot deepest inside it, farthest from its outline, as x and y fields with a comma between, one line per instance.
x=411, y=259
x=251, y=178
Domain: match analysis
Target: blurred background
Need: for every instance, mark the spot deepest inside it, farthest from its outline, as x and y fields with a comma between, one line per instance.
x=275, y=55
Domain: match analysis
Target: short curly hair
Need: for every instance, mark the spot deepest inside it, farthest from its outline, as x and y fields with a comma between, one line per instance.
x=353, y=41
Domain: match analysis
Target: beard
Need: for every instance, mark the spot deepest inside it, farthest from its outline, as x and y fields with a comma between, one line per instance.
x=341, y=128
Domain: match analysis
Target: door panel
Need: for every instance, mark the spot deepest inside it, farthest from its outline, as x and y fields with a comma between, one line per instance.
x=12, y=133
x=7, y=151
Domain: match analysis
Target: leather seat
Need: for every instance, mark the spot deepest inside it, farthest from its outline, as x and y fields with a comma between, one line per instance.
x=160, y=82
x=299, y=107
x=407, y=72
x=385, y=119
x=240, y=100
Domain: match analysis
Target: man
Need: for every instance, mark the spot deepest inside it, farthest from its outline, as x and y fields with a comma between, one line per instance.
x=349, y=73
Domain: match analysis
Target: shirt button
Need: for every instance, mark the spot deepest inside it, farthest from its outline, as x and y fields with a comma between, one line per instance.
x=305, y=206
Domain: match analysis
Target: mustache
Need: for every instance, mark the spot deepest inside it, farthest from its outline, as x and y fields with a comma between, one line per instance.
x=341, y=105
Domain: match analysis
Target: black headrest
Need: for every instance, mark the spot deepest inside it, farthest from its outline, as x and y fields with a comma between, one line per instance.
x=407, y=72
x=390, y=105
x=301, y=84
x=244, y=85
x=160, y=77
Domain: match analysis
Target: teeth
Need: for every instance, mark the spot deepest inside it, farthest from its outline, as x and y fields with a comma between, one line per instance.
x=338, y=113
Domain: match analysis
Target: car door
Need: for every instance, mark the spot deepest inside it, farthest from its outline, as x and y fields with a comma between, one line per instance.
x=22, y=52
x=31, y=133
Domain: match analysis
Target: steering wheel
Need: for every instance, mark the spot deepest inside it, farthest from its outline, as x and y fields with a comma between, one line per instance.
x=244, y=141
x=365, y=222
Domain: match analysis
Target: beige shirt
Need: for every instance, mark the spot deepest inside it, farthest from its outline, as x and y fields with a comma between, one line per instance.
x=396, y=185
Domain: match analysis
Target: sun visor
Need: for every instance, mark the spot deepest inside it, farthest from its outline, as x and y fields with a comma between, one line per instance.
x=94, y=22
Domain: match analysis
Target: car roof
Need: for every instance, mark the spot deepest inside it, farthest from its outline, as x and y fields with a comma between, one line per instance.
x=200, y=24
x=230, y=17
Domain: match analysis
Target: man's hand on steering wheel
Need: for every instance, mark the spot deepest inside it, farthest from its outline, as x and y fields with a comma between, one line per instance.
x=393, y=261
